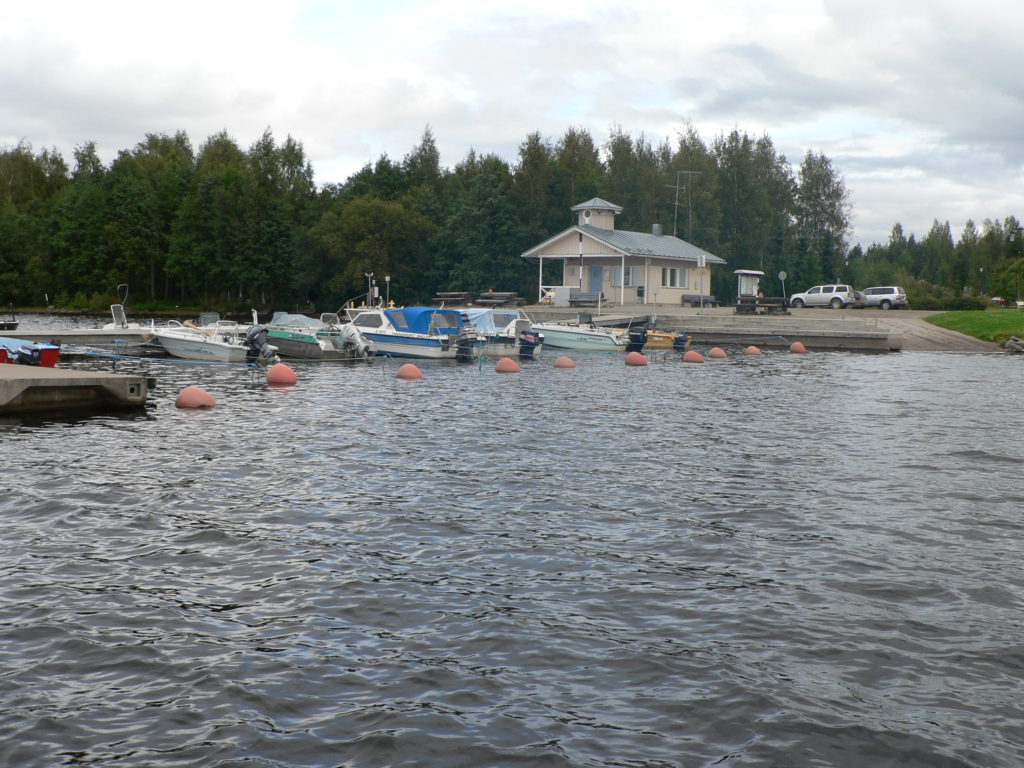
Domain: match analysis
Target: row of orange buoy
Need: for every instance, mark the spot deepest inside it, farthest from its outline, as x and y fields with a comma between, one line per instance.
x=278, y=375
x=504, y=365
x=715, y=353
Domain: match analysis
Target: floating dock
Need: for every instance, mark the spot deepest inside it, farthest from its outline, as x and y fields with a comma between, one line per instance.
x=29, y=388
x=723, y=326
x=87, y=336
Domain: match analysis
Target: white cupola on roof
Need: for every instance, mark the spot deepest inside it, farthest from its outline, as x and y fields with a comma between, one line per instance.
x=596, y=213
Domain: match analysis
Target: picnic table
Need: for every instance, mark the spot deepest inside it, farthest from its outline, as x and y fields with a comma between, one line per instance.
x=453, y=297
x=752, y=305
x=497, y=299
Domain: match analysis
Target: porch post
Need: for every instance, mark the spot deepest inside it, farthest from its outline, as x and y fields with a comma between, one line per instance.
x=622, y=281
x=540, y=278
x=647, y=279
x=581, y=262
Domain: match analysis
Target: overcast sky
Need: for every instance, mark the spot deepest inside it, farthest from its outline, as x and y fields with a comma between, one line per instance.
x=918, y=103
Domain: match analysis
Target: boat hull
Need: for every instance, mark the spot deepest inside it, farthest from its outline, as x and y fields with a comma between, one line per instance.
x=314, y=346
x=502, y=345
x=28, y=352
x=398, y=345
x=571, y=337
x=195, y=348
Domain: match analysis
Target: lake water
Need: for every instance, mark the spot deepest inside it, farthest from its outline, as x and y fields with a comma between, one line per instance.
x=779, y=561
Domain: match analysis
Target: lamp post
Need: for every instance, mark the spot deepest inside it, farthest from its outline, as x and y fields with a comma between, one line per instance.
x=1015, y=235
x=387, y=290
x=369, y=288
x=981, y=279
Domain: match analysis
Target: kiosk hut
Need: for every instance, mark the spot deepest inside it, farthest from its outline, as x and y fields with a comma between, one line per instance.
x=750, y=300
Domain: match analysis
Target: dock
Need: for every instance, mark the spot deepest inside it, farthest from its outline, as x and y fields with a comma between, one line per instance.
x=86, y=336
x=29, y=388
x=817, y=329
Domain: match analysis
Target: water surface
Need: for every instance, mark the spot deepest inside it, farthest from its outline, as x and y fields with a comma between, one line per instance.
x=780, y=561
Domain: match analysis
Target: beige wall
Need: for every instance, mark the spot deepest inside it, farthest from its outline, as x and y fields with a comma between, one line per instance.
x=698, y=280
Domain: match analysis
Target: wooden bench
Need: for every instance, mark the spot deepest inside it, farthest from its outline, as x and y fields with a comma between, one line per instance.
x=453, y=297
x=697, y=300
x=578, y=298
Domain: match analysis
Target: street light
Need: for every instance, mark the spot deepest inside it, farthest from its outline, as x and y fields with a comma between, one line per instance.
x=369, y=288
x=1015, y=235
x=387, y=290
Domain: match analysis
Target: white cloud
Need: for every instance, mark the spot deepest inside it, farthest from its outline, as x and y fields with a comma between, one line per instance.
x=919, y=104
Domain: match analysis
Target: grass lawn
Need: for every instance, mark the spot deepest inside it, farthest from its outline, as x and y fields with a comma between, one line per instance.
x=994, y=324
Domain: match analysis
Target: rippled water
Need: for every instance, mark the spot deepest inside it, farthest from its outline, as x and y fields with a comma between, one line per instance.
x=780, y=561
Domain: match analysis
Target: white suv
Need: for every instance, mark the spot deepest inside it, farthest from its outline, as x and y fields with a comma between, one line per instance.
x=885, y=297
x=835, y=296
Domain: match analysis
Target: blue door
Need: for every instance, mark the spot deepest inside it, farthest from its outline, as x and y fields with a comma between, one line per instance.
x=595, y=274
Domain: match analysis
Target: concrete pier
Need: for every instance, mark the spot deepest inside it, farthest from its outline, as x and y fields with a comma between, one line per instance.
x=817, y=329
x=88, y=336
x=29, y=388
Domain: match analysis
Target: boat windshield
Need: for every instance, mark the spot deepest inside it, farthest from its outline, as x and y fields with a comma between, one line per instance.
x=444, y=320
x=368, y=320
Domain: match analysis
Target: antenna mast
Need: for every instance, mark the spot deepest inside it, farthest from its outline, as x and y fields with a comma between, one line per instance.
x=689, y=207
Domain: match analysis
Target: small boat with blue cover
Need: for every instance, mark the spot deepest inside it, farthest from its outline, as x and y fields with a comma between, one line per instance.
x=421, y=332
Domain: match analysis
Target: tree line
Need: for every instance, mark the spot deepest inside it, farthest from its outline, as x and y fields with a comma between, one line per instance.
x=224, y=227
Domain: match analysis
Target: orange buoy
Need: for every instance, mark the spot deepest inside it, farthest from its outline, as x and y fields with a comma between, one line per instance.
x=635, y=358
x=752, y=350
x=717, y=353
x=281, y=375
x=692, y=356
x=797, y=348
x=194, y=397
x=506, y=365
x=409, y=371
x=565, y=362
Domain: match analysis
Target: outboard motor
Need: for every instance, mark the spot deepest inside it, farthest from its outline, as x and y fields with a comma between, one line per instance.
x=466, y=343
x=28, y=354
x=637, y=339
x=353, y=341
x=528, y=343
x=680, y=341
x=258, y=347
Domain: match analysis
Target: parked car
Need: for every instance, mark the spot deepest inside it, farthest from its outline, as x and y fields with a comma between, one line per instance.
x=885, y=297
x=836, y=296
x=859, y=300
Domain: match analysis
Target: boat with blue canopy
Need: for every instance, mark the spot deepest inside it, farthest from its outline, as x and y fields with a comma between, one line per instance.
x=421, y=332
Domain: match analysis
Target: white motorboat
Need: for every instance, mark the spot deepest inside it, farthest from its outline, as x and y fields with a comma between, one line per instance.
x=223, y=341
x=422, y=332
x=582, y=336
x=506, y=332
x=311, y=339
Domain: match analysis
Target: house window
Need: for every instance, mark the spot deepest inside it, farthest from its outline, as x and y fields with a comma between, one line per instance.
x=673, y=277
x=633, y=276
